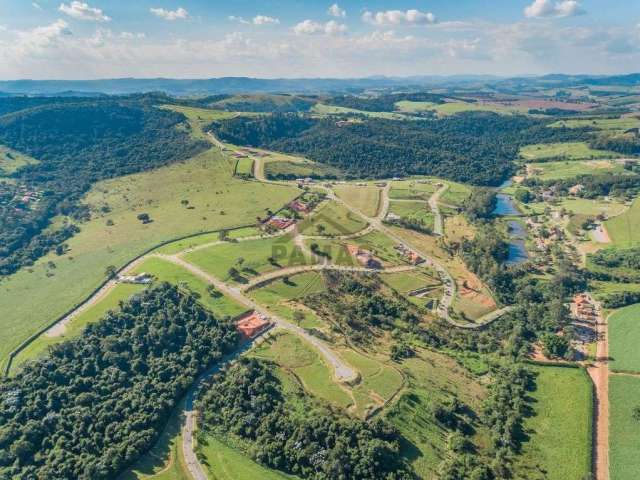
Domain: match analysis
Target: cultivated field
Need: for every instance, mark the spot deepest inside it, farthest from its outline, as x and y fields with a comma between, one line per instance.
x=568, y=150
x=624, y=338
x=623, y=229
x=570, y=169
x=624, y=434
x=559, y=430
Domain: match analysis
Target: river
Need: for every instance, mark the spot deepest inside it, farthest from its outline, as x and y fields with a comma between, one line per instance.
x=505, y=207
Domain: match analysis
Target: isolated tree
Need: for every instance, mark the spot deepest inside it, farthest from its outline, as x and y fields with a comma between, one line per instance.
x=144, y=217
x=111, y=271
x=298, y=317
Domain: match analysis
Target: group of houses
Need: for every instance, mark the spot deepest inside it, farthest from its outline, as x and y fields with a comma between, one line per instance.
x=584, y=308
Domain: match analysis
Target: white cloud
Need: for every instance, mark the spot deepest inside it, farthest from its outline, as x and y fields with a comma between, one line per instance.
x=265, y=20
x=179, y=14
x=82, y=11
x=545, y=8
x=234, y=18
x=130, y=35
x=309, y=27
x=36, y=5
x=336, y=11
x=398, y=17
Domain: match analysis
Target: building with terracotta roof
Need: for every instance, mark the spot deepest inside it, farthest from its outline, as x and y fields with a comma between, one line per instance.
x=252, y=324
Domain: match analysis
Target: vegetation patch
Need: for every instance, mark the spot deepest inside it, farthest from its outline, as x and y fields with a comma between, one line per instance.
x=559, y=429
x=571, y=169
x=244, y=167
x=624, y=434
x=333, y=219
x=365, y=199
x=567, y=150
x=623, y=228
x=624, y=335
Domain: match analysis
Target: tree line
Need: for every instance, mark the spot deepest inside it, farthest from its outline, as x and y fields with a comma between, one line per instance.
x=95, y=404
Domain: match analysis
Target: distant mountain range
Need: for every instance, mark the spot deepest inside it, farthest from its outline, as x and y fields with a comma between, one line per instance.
x=232, y=85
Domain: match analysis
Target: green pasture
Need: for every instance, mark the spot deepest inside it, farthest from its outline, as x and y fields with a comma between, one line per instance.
x=570, y=169
x=567, y=150
x=322, y=109
x=413, y=210
x=412, y=190
x=624, y=429
x=200, y=118
x=621, y=123
x=375, y=242
x=249, y=258
x=624, y=338
x=456, y=194
x=623, y=229
x=290, y=169
x=244, y=167
x=207, y=238
x=559, y=430
x=364, y=199
x=293, y=354
x=451, y=108
x=333, y=219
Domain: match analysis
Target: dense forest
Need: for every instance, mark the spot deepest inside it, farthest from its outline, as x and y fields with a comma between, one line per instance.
x=94, y=404
x=247, y=401
x=474, y=147
x=77, y=143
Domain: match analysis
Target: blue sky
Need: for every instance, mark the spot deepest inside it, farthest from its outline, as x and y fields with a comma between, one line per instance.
x=295, y=38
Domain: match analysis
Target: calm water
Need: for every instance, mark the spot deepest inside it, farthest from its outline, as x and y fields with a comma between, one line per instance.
x=505, y=206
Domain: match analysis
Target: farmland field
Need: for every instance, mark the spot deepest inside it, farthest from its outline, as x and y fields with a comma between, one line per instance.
x=289, y=169
x=560, y=428
x=568, y=150
x=365, y=199
x=624, y=434
x=624, y=337
x=411, y=190
x=332, y=219
x=621, y=123
x=623, y=229
x=114, y=235
x=570, y=169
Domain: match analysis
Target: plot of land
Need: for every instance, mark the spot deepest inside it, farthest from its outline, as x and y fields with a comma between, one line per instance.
x=332, y=220
x=292, y=353
x=248, y=258
x=244, y=167
x=623, y=123
x=115, y=235
x=560, y=429
x=568, y=150
x=206, y=238
x=10, y=160
x=293, y=170
x=456, y=194
x=624, y=434
x=571, y=169
x=623, y=229
x=406, y=282
x=419, y=211
x=451, y=108
x=584, y=206
x=381, y=246
x=624, y=338
x=365, y=199
x=322, y=109
x=412, y=190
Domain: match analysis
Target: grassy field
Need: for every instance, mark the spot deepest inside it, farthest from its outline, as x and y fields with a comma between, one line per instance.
x=109, y=302
x=250, y=258
x=224, y=462
x=414, y=210
x=451, y=108
x=206, y=238
x=568, y=150
x=432, y=377
x=569, y=169
x=10, y=160
x=279, y=297
x=624, y=335
x=293, y=354
x=623, y=229
x=322, y=109
x=404, y=282
x=585, y=206
x=165, y=271
x=279, y=168
x=600, y=123
x=559, y=430
x=114, y=235
x=624, y=434
x=200, y=118
x=244, y=167
x=456, y=194
x=332, y=219
x=365, y=199
x=411, y=190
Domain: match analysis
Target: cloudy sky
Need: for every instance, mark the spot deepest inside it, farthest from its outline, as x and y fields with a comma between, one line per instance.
x=47, y=39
